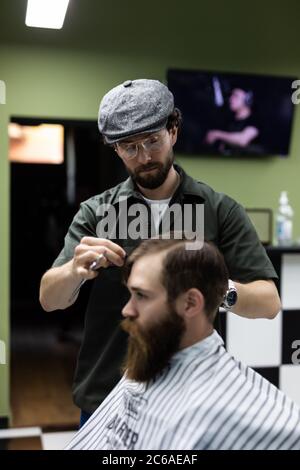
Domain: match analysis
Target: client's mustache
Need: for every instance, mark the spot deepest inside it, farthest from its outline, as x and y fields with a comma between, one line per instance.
x=129, y=325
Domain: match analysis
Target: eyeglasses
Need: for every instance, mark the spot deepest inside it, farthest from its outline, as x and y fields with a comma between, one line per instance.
x=153, y=143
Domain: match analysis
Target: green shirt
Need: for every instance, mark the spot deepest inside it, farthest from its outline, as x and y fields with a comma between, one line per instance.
x=104, y=343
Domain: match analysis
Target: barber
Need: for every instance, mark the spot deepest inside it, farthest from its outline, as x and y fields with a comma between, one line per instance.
x=139, y=120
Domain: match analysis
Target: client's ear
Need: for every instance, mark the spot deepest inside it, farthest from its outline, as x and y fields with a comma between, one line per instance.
x=191, y=303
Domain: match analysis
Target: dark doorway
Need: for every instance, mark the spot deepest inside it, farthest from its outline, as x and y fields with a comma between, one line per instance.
x=44, y=199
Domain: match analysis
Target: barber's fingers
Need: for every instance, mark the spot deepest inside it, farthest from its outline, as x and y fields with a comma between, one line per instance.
x=82, y=264
x=93, y=241
x=84, y=273
x=111, y=256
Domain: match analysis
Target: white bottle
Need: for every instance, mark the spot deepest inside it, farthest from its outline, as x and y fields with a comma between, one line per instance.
x=284, y=221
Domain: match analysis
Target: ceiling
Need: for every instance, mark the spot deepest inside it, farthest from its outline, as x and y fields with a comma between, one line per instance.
x=154, y=26
x=99, y=24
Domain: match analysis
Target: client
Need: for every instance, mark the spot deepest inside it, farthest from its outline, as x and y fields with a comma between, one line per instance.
x=181, y=389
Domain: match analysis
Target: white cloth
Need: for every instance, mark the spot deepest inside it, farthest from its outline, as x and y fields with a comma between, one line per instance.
x=205, y=399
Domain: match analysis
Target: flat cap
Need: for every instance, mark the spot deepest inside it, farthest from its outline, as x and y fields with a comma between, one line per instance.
x=134, y=107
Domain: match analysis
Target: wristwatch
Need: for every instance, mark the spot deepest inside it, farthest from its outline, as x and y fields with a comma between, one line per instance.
x=230, y=297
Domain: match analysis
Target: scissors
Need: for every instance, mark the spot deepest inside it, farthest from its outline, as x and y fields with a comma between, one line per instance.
x=93, y=267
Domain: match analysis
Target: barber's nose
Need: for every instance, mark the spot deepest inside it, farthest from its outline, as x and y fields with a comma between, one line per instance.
x=129, y=311
x=143, y=155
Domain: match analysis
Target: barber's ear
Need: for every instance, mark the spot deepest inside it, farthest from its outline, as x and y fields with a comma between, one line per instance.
x=173, y=133
x=191, y=303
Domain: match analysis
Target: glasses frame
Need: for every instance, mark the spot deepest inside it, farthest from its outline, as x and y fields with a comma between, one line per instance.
x=154, y=146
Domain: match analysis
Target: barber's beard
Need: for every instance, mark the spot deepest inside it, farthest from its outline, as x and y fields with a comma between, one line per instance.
x=157, y=177
x=151, y=348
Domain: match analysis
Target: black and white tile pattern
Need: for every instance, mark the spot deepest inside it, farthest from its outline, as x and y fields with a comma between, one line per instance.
x=271, y=347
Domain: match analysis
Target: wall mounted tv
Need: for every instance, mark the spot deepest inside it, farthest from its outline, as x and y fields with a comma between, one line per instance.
x=233, y=114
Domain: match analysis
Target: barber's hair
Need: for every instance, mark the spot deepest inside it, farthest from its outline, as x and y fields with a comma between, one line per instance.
x=184, y=269
x=174, y=120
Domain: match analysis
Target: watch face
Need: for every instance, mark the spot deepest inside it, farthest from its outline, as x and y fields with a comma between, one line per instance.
x=231, y=297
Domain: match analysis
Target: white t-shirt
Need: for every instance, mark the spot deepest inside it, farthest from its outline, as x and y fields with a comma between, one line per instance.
x=205, y=399
x=158, y=208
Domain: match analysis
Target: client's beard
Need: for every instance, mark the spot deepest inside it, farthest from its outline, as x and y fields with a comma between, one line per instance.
x=150, y=348
x=157, y=178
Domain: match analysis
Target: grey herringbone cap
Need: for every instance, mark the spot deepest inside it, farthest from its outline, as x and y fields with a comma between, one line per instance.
x=134, y=107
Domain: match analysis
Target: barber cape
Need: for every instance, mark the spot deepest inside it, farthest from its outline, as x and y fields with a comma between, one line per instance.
x=204, y=399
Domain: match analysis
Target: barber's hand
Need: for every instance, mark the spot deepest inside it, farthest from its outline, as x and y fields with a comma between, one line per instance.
x=89, y=250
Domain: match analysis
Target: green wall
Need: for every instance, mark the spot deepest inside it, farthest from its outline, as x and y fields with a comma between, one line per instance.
x=45, y=82
x=4, y=260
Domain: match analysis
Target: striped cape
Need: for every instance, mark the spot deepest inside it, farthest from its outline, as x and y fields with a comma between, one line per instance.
x=204, y=399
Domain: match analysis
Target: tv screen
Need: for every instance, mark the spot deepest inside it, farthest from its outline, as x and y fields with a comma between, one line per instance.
x=233, y=114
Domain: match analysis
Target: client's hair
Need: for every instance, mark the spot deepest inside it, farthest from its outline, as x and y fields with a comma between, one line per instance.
x=184, y=268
